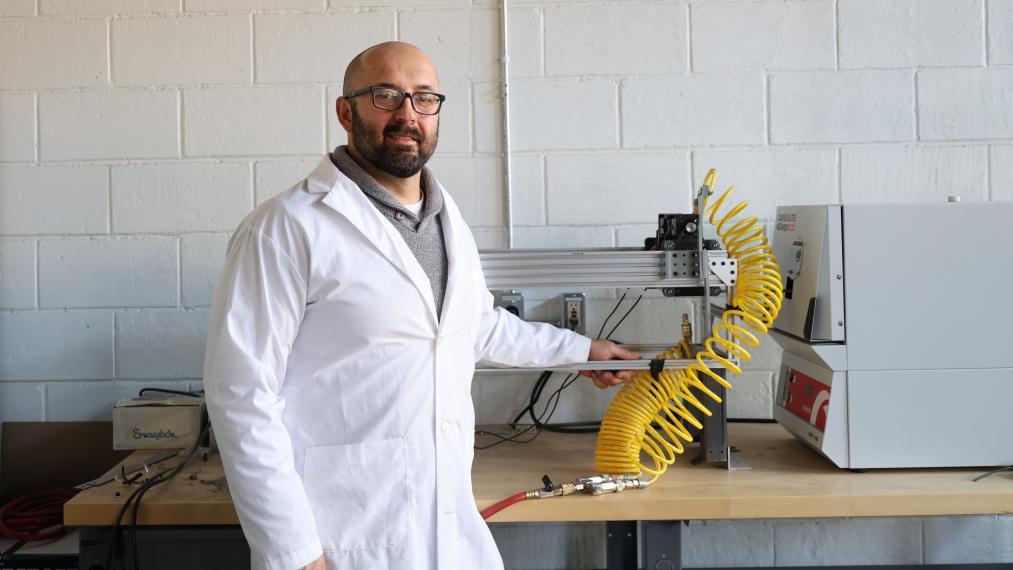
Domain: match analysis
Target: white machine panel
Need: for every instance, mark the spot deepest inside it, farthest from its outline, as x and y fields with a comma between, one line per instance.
x=808, y=246
x=920, y=373
x=927, y=285
x=930, y=418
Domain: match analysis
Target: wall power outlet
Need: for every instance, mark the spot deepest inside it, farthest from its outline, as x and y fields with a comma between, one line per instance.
x=510, y=300
x=573, y=312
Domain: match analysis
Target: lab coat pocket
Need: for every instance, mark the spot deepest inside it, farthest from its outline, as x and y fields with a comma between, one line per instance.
x=359, y=494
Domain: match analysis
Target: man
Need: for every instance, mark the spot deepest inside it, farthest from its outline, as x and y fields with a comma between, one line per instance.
x=344, y=333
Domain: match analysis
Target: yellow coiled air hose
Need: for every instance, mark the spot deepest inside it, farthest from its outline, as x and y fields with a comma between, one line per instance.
x=669, y=400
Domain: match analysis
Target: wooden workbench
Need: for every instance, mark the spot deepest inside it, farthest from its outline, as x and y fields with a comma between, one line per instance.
x=787, y=480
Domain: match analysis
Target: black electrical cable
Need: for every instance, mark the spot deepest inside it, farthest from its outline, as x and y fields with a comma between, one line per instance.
x=546, y=414
x=634, y=306
x=614, y=309
x=503, y=439
x=138, y=493
x=119, y=519
x=196, y=394
x=534, y=388
x=590, y=426
x=541, y=421
x=536, y=394
x=553, y=401
x=116, y=531
x=145, y=487
x=536, y=391
x=568, y=427
x=158, y=480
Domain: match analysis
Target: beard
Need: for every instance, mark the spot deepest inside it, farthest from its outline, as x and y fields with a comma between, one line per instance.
x=399, y=160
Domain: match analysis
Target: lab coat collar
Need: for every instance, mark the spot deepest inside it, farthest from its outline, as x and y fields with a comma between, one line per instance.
x=345, y=197
x=323, y=177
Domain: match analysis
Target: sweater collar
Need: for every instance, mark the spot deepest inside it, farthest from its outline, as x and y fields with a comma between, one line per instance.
x=369, y=186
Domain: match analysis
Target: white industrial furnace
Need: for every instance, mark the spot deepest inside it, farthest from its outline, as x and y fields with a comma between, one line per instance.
x=896, y=332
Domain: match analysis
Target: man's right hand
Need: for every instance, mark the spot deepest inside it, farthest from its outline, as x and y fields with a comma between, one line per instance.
x=318, y=564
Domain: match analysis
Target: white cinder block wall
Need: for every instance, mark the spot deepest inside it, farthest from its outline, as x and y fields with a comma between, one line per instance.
x=135, y=135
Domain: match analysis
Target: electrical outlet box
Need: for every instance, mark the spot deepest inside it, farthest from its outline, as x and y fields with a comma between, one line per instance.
x=573, y=315
x=511, y=300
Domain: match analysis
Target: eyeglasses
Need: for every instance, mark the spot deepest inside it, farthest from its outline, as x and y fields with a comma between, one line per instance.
x=391, y=99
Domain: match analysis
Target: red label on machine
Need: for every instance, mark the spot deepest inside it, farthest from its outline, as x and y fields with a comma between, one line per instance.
x=807, y=398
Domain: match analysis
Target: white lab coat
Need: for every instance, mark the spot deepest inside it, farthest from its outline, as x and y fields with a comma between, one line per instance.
x=341, y=405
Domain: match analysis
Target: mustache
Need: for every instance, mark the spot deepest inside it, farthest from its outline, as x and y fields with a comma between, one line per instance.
x=403, y=131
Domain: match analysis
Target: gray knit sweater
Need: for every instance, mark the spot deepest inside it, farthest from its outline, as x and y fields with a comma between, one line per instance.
x=424, y=236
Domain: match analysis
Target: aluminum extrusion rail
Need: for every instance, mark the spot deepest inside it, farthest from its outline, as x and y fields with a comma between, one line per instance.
x=601, y=267
x=638, y=364
x=641, y=364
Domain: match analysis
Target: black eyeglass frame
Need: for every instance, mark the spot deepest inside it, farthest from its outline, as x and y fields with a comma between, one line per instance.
x=405, y=95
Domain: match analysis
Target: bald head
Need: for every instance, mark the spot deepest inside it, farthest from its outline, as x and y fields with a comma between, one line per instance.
x=379, y=59
x=390, y=138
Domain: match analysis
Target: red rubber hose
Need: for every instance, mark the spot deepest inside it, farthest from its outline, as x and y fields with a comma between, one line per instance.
x=25, y=517
x=504, y=504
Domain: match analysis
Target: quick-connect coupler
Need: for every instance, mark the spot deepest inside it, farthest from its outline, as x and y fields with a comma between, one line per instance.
x=602, y=484
x=590, y=485
x=551, y=490
x=617, y=485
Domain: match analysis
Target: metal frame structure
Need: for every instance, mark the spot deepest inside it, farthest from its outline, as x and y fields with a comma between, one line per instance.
x=604, y=267
x=627, y=267
x=610, y=268
x=640, y=364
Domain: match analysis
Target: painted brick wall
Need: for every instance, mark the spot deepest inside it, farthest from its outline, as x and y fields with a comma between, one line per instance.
x=134, y=135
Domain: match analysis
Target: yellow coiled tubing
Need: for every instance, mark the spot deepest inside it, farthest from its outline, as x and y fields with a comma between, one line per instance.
x=627, y=429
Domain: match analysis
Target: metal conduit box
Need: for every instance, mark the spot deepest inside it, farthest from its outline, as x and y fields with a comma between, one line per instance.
x=894, y=330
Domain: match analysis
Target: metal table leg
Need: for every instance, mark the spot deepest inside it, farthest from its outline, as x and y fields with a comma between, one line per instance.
x=621, y=545
x=662, y=545
x=658, y=543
